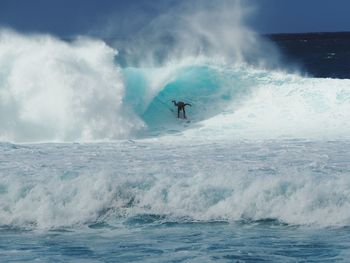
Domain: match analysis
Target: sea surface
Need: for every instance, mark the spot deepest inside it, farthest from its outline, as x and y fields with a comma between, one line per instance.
x=259, y=172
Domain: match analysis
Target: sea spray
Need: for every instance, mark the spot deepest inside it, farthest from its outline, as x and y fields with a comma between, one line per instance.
x=52, y=90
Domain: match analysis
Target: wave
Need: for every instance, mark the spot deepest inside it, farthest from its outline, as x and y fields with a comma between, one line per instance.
x=238, y=101
x=52, y=90
x=206, y=86
x=266, y=183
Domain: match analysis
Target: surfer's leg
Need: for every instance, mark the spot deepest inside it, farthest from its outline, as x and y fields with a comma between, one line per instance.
x=178, y=112
x=184, y=112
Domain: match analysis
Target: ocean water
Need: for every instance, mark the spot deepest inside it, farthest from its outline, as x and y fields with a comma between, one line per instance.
x=127, y=201
x=323, y=55
x=95, y=166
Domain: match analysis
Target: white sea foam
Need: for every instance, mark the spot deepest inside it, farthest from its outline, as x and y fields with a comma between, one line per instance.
x=51, y=90
x=281, y=105
x=294, y=182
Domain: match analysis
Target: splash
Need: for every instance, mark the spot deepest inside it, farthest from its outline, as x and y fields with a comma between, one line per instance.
x=51, y=90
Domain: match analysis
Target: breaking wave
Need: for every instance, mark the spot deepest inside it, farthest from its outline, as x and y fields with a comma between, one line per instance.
x=65, y=185
x=51, y=90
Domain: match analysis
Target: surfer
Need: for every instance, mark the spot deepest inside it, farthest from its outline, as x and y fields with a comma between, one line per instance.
x=181, y=106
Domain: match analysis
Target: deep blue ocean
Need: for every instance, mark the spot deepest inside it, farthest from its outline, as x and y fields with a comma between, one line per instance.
x=322, y=55
x=95, y=166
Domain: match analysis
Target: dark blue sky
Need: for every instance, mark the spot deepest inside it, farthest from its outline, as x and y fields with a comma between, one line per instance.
x=70, y=17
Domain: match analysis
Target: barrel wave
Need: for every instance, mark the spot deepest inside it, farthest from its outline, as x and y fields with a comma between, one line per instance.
x=239, y=101
x=52, y=90
x=205, y=86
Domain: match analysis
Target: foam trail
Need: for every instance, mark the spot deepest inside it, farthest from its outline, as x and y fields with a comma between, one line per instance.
x=51, y=90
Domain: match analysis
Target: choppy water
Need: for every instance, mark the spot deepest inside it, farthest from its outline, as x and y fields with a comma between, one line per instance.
x=149, y=241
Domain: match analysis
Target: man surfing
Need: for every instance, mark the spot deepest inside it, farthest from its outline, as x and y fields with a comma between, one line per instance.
x=181, y=106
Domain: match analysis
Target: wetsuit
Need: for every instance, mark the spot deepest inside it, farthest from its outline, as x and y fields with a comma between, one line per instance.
x=181, y=107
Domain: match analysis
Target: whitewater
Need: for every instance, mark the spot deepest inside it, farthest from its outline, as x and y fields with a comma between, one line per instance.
x=95, y=166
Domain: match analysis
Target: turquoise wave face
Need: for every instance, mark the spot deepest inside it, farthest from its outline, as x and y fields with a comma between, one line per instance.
x=209, y=89
x=237, y=101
